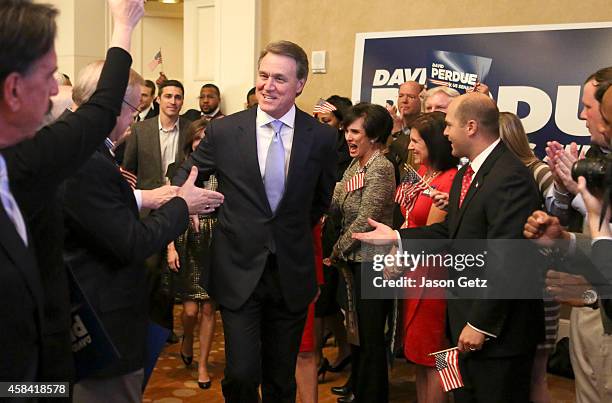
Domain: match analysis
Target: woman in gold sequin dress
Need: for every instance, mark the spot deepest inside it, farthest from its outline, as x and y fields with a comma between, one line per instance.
x=188, y=259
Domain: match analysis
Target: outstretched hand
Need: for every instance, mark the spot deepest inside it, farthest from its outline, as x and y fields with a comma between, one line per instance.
x=199, y=201
x=126, y=14
x=382, y=234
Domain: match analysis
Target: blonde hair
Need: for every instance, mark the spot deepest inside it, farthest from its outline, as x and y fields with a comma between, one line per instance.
x=513, y=135
x=87, y=81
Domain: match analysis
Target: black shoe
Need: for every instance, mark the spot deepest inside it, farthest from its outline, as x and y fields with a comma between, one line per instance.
x=346, y=361
x=187, y=359
x=205, y=384
x=343, y=390
x=172, y=338
x=346, y=399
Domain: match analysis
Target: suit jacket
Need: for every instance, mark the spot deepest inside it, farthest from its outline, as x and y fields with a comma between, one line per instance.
x=142, y=154
x=21, y=312
x=247, y=230
x=500, y=199
x=36, y=168
x=194, y=114
x=106, y=245
x=153, y=112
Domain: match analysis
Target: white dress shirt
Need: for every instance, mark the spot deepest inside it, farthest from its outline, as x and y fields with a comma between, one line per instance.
x=168, y=144
x=265, y=133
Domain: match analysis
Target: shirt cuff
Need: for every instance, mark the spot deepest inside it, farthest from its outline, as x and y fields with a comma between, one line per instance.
x=482, y=331
x=138, y=197
x=400, y=250
x=571, y=248
x=597, y=238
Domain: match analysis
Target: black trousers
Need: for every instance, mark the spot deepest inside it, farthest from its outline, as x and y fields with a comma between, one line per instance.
x=499, y=380
x=262, y=340
x=161, y=304
x=369, y=375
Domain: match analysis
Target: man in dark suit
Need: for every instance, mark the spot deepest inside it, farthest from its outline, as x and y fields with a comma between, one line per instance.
x=276, y=167
x=36, y=325
x=106, y=245
x=209, y=100
x=491, y=198
x=146, y=107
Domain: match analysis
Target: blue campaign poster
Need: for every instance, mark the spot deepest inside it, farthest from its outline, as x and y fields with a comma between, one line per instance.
x=537, y=71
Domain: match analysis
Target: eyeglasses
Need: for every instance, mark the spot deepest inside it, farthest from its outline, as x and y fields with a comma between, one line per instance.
x=134, y=109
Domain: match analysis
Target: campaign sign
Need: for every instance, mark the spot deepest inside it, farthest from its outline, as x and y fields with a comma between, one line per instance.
x=538, y=70
x=457, y=71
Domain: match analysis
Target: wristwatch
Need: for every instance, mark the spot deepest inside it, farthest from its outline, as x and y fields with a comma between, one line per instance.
x=589, y=297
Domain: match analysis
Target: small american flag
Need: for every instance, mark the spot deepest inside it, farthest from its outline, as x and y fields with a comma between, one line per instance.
x=157, y=60
x=323, y=106
x=409, y=189
x=356, y=182
x=447, y=366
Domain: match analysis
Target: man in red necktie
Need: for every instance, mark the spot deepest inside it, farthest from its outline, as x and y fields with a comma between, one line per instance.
x=489, y=199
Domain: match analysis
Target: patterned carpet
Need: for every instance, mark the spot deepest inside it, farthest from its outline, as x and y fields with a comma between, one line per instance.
x=171, y=382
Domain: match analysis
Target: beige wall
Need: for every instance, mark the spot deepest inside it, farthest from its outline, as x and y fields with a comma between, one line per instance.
x=331, y=26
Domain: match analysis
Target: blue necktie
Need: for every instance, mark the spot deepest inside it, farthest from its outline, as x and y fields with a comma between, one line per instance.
x=9, y=203
x=274, y=175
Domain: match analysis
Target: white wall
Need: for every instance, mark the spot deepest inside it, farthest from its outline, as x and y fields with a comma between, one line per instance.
x=220, y=39
x=162, y=26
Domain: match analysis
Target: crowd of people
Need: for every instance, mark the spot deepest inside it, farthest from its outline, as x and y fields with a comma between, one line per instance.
x=273, y=216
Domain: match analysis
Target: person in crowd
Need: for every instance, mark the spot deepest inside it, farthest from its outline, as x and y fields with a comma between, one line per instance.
x=513, y=135
x=209, y=100
x=327, y=310
x=409, y=107
x=147, y=108
x=424, y=313
x=36, y=312
x=366, y=190
x=491, y=198
x=105, y=247
x=587, y=331
x=251, y=99
x=187, y=257
x=276, y=166
x=151, y=147
x=438, y=98
x=306, y=367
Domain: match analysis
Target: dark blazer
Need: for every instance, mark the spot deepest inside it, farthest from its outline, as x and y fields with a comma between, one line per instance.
x=106, y=245
x=500, y=199
x=36, y=168
x=247, y=230
x=142, y=154
x=153, y=112
x=22, y=308
x=195, y=114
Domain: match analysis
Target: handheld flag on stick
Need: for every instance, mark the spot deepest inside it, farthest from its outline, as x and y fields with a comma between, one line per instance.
x=157, y=60
x=323, y=106
x=447, y=365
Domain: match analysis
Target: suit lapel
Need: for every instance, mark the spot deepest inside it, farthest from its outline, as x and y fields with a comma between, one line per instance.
x=476, y=185
x=182, y=137
x=22, y=257
x=300, y=149
x=152, y=143
x=246, y=142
